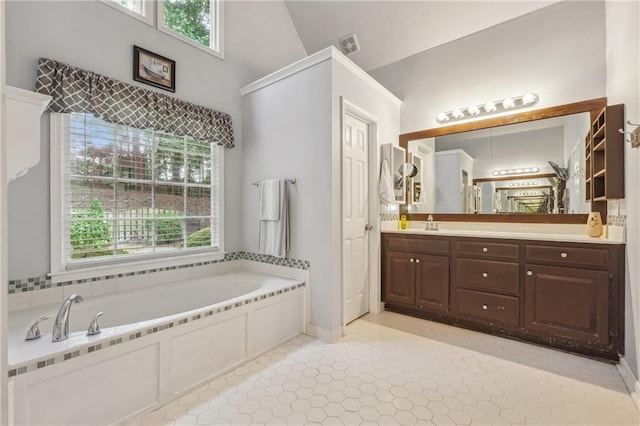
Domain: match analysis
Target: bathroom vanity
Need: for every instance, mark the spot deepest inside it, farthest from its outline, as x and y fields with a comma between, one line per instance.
x=564, y=292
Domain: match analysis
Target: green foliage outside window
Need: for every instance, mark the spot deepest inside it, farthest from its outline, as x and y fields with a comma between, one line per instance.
x=90, y=233
x=191, y=18
x=168, y=228
x=201, y=238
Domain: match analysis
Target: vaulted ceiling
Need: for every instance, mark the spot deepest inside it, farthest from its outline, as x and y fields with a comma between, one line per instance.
x=389, y=31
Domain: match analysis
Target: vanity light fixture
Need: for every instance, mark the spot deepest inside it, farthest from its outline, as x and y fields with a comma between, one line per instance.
x=520, y=184
x=518, y=171
x=491, y=107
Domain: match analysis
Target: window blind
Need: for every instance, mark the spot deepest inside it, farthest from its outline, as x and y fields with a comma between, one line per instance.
x=130, y=192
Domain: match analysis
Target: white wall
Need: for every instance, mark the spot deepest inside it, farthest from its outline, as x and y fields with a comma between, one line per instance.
x=348, y=86
x=292, y=128
x=623, y=76
x=287, y=134
x=556, y=52
x=260, y=38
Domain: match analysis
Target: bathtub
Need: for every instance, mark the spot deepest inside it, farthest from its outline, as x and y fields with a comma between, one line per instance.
x=154, y=345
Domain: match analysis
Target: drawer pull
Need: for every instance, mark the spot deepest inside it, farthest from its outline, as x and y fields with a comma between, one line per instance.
x=563, y=254
x=485, y=307
x=484, y=249
x=484, y=274
x=411, y=260
x=529, y=273
x=417, y=260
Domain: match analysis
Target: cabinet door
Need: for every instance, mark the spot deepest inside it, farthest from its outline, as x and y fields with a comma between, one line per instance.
x=432, y=283
x=567, y=302
x=399, y=278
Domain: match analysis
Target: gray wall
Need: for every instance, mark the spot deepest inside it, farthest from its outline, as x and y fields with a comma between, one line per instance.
x=292, y=128
x=259, y=37
x=623, y=77
x=557, y=52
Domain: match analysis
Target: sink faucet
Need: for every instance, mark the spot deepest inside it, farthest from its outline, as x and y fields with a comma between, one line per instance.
x=61, y=325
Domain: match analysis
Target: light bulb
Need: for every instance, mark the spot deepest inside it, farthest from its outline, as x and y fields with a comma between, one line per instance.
x=473, y=110
x=529, y=99
x=508, y=103
x=489, y=106
x=442, y=117
x=457, y=113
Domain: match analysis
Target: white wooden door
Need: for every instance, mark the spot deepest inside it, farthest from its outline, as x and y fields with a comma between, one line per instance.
x=356, y=226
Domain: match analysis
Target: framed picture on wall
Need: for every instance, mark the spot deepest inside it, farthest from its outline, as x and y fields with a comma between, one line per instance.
x=153, y=69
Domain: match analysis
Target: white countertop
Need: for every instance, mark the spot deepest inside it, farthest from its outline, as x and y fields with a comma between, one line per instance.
x=521, y=231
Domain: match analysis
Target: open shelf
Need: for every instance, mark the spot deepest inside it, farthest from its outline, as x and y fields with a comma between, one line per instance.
x=604, y=158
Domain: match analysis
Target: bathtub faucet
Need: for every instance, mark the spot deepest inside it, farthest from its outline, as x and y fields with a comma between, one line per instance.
x=61, y=325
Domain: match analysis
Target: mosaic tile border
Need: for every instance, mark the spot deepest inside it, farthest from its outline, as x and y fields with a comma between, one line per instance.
x=117, y=340
x=614, y=220
x=389, y=216
x=44, y=282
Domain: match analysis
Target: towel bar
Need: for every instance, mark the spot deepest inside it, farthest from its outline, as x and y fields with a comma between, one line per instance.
x=292, y=181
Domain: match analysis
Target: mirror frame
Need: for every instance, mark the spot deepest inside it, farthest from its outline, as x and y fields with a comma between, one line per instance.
x=593, y=106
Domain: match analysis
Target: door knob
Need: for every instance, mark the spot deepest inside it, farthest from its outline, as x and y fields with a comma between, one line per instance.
x=368, y=227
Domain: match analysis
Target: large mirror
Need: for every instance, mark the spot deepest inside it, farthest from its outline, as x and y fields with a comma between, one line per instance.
x=529, y=164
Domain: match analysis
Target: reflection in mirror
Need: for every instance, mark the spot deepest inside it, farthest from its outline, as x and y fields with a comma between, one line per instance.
x=477, y=171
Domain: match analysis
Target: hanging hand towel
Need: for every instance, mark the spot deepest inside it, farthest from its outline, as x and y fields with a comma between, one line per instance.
x=273, y=235
x=386, y=184
x=269, y=192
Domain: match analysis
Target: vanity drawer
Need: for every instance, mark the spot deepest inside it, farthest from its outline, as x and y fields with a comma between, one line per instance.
x=488, y=250
x=563, y=255
x=488, y=274
x=489, y=306
x=417, y=244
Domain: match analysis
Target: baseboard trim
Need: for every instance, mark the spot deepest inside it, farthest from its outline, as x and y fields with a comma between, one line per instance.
x=630, y=381
x=329, y=336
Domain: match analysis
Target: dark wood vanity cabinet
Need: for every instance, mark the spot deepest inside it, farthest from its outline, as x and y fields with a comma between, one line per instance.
x=417, y=275
x=486, y=282
x=567, y=303
x=564, y=295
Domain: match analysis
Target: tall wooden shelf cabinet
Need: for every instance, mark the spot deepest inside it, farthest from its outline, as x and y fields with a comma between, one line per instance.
x=604, y=155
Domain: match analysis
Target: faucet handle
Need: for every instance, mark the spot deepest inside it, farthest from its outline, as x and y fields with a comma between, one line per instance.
x=34, y=330
x=94, y=327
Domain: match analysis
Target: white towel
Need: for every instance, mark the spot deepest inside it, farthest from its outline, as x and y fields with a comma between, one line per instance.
x=269, y=191
x=273, y=235
x=386, y=184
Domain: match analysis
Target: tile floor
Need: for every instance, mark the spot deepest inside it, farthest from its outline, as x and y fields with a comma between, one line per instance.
x=394, y=369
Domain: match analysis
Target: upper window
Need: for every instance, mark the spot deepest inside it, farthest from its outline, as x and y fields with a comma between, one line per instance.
x=128, y=193
x=197, y=22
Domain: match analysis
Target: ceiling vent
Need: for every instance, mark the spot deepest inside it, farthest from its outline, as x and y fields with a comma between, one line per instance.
x=349, y=44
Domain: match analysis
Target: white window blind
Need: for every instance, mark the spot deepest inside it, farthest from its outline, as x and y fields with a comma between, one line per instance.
x=130, y=193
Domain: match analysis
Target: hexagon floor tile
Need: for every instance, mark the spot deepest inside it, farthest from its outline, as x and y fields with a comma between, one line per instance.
x=394, y=369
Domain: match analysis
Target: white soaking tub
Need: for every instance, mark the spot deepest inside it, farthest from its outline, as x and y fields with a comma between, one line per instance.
x=155, y=343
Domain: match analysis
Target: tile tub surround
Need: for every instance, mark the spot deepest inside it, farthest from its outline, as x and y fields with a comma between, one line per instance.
x=136, y=367
x=44, y=282
x=393, y=369
x=528, y=231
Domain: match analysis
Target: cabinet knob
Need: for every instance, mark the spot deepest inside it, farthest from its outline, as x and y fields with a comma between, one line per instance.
x=411, y=260
x=417, y=260
x=484, y=249
x=529, y=273
x=563, y=254
x=484, y=274
x=485, y=307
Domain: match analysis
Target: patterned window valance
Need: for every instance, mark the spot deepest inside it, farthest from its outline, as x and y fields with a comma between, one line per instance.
x=76, y=90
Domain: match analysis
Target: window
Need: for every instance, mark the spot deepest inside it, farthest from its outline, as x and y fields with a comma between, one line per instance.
x=196, y=22
x=139, y=9
x=128, y=194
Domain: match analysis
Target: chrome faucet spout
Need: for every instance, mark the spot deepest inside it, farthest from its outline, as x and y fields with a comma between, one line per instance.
x=61, y=325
